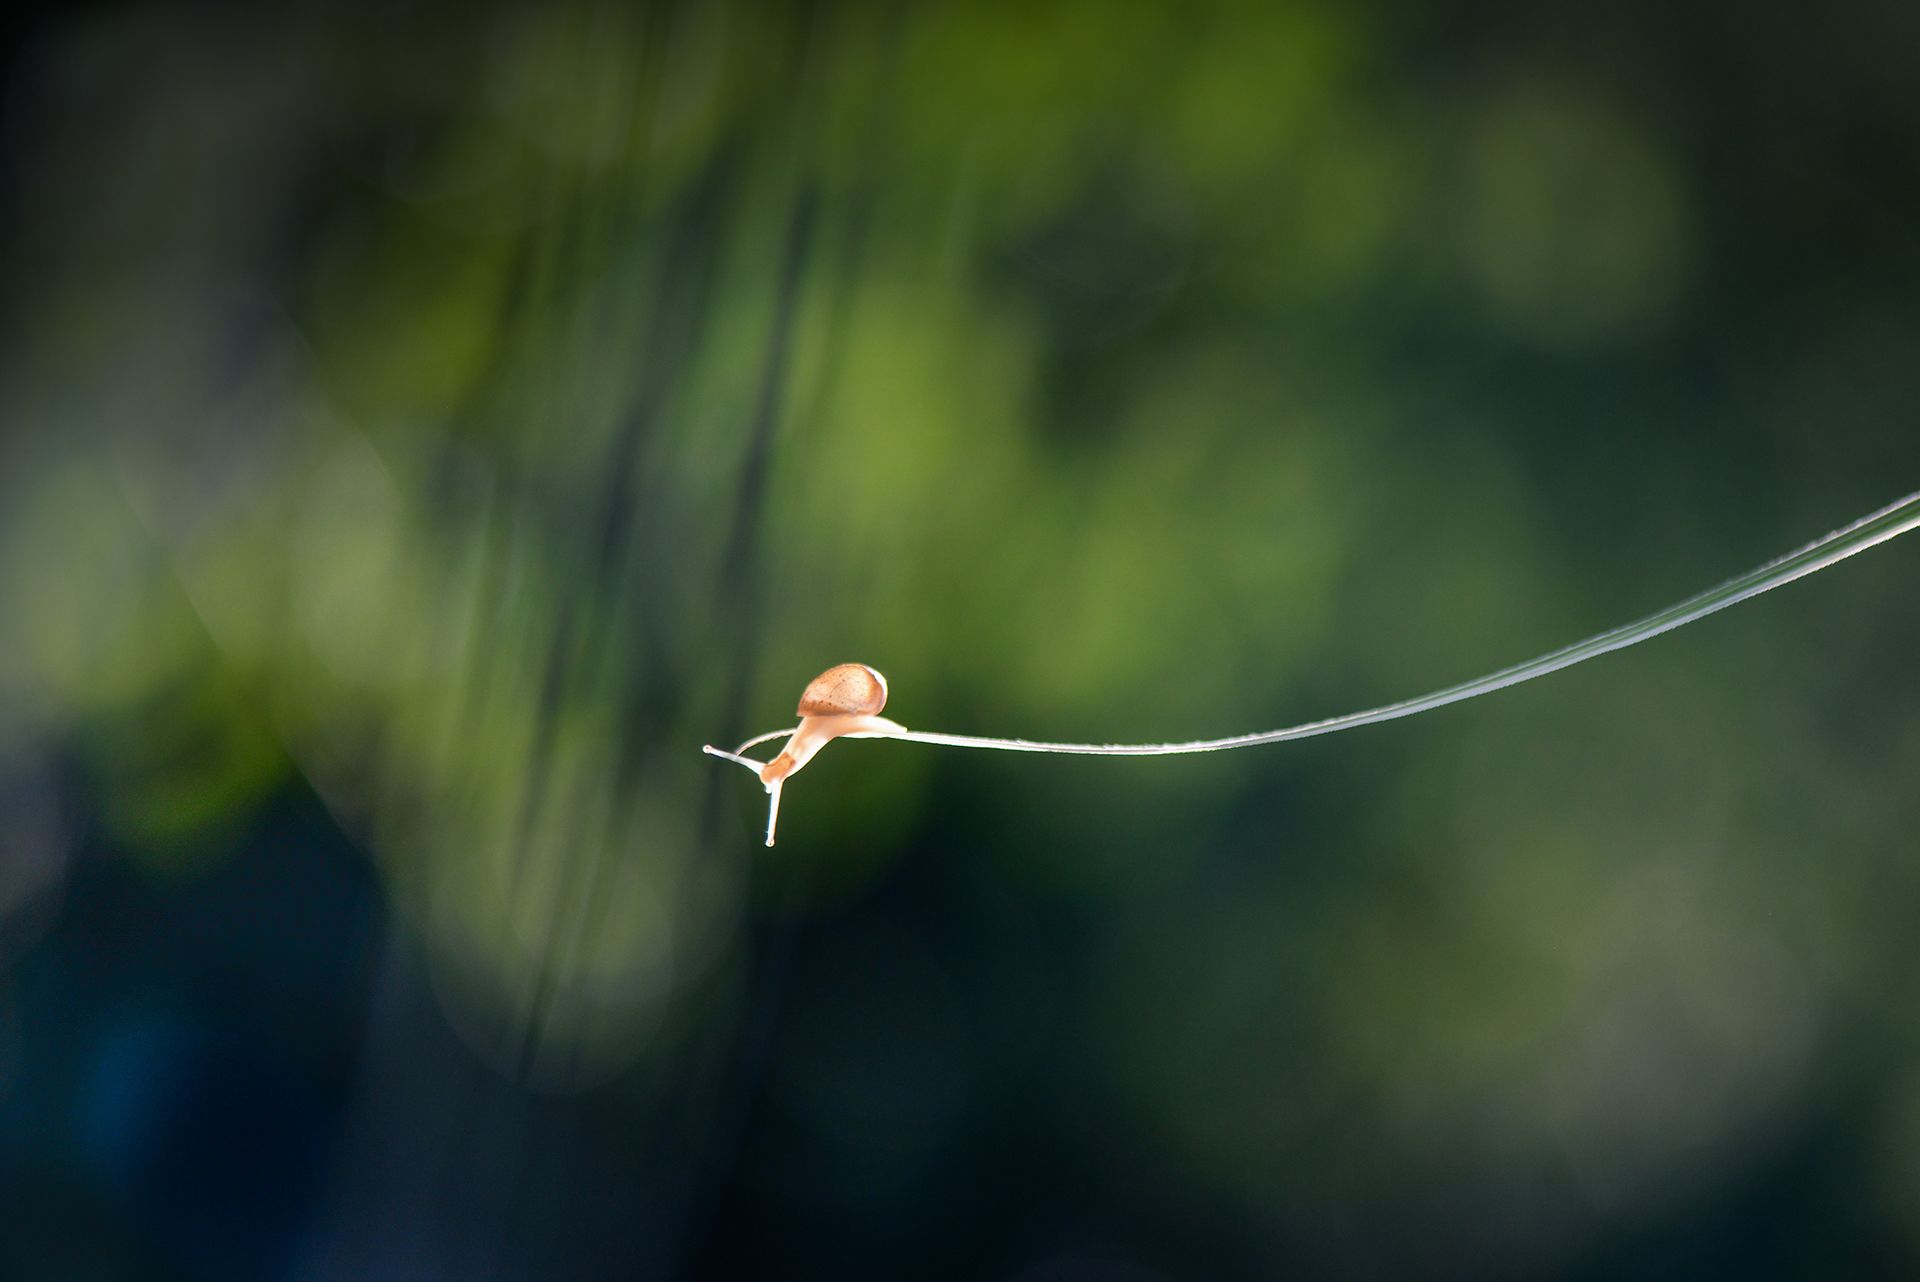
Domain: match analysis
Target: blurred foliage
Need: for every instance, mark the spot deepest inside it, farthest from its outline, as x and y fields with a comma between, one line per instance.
x=458, y=416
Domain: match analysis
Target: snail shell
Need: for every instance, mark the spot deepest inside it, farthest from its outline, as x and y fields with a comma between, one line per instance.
x=847, y=688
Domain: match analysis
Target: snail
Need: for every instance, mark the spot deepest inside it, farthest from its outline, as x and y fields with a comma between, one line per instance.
x=845, y=701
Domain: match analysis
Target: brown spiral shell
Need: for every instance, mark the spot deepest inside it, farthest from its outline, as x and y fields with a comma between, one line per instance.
x=845, y=688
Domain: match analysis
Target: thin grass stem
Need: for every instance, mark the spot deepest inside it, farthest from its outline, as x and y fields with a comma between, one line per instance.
x=1889, y=522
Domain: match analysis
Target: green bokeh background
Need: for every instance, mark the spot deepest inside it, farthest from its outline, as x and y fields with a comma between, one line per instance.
x=422, y=428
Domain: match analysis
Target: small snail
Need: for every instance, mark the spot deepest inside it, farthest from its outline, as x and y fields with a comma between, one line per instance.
x=846, y=699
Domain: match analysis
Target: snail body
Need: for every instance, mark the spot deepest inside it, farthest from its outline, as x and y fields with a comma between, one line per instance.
x=844, y=700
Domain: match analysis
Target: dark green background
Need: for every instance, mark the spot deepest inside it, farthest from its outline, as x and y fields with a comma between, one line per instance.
x=422, y=427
